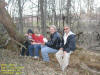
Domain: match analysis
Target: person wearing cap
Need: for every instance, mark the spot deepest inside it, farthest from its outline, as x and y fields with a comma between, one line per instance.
x=29, y=36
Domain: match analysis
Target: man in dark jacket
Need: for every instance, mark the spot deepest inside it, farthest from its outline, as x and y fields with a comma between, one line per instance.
x=68, y=40
x=53, y=45
x=68, y=46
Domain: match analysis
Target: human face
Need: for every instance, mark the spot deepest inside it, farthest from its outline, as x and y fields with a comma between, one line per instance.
x=30, y=34
x=66, y=29
x=52, y=30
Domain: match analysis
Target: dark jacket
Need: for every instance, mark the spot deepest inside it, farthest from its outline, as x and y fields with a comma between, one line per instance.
x=70, y=44
x=55, y=41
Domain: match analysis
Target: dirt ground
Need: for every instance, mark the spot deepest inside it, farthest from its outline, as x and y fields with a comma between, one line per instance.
x=82, y=62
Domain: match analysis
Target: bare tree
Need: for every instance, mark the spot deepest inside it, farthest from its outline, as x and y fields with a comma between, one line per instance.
x=6, y=20
x=68, y=16
x=43, y=14
x=53, y=12
x=20, y=17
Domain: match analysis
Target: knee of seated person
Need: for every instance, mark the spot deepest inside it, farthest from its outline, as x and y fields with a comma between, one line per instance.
x=43, y=47
x=30, y=46
x=35, y=46
x=43, y=50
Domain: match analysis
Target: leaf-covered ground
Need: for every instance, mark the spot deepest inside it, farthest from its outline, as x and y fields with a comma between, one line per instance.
x=82, y=62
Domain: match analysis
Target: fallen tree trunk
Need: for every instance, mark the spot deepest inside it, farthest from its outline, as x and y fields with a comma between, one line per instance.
x=8, y=23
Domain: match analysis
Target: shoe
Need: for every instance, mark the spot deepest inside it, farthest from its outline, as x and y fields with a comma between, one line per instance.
x=36, y=57
x=46, y=63
x=25, y=56
x=21, y=55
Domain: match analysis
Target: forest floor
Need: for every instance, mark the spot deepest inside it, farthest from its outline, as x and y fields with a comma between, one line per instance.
x=82, y=62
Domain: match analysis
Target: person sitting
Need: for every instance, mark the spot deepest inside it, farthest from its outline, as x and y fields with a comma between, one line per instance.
x=53, y=45
x=27, y=42
x=67, y=47
x=36, y=44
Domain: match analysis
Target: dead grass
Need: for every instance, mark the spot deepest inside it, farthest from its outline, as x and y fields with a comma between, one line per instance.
x=82, y=62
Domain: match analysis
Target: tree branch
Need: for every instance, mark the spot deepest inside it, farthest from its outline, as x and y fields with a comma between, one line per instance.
x=2, y=4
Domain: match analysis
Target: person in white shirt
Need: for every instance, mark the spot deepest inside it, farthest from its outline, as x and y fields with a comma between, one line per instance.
x=67, y=47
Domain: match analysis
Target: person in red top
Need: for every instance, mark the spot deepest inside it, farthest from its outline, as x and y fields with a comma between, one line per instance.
x=38, y=38
x=35, y=44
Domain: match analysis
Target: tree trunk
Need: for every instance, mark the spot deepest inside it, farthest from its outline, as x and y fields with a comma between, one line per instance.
x=43, y=15
x=68, y=12
x=53, y=12
x=38, y=14
x=20, y=26
x=8, y=23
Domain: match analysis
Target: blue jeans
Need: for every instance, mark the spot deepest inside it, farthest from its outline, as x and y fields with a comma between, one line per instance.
x=45, y=51
x=25, y=51
x=34, y=49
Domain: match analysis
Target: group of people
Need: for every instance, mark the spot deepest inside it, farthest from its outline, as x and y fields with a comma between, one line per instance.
x=61, y=46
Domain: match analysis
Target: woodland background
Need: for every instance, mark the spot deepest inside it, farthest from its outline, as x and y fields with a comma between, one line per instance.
x=83, y=17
